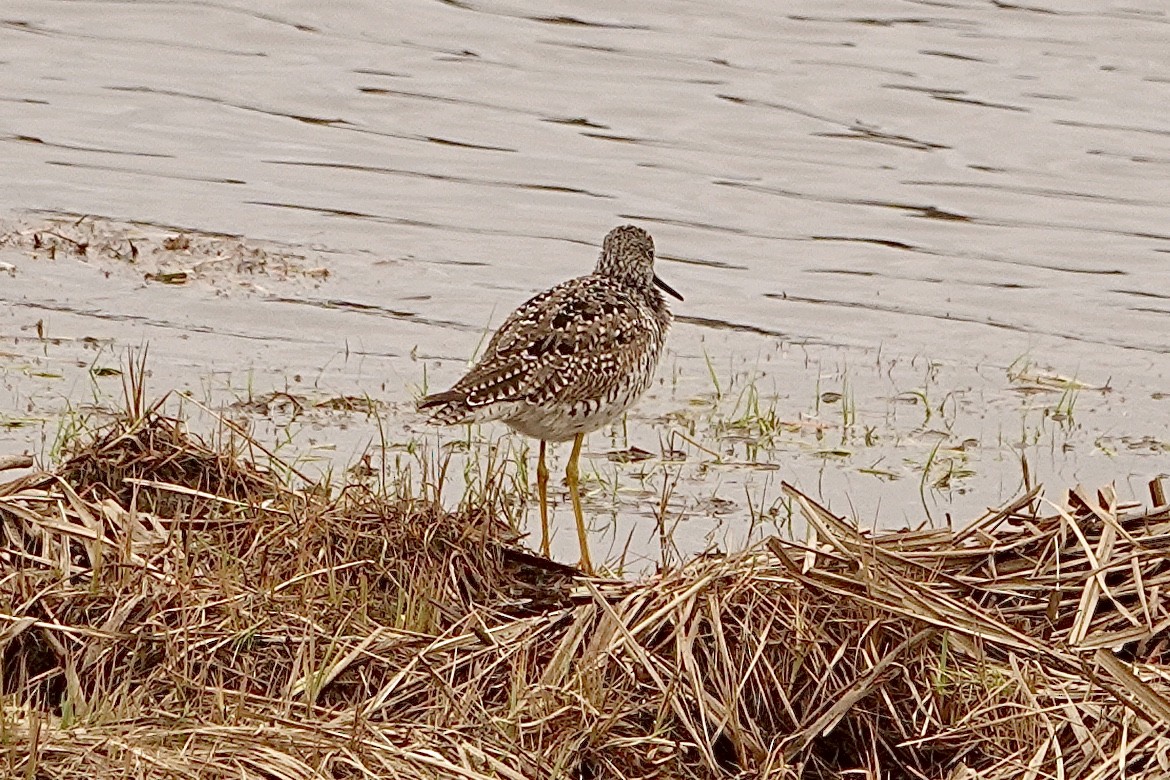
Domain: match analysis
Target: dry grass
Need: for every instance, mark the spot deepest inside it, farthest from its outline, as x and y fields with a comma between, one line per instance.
x=170, y=609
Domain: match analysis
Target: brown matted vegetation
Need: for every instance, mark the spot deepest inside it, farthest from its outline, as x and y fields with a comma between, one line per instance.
x=170, y=609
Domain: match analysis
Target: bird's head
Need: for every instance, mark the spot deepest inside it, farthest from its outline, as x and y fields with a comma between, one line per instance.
x=627, y=256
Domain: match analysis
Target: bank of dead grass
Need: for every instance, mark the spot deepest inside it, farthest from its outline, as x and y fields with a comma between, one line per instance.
x=170, y=609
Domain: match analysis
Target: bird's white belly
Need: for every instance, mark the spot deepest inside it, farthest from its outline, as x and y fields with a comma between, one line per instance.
x=565, y=422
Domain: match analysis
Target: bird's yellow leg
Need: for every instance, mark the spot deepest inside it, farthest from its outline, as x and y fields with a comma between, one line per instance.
x=571, y=474
x=542, y=488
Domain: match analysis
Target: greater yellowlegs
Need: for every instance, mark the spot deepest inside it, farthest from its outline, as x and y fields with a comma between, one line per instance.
x=570, y=361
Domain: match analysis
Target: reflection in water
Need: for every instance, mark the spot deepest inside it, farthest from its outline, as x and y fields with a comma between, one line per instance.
x=897, y=210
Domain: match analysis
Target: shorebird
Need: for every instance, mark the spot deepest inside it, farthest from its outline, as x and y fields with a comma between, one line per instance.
x=570, y=361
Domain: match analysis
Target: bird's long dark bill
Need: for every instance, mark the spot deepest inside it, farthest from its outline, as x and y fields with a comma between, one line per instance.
x=666, y=287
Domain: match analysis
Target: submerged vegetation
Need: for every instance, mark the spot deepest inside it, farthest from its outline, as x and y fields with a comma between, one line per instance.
x=162, y=254
x=178, y=608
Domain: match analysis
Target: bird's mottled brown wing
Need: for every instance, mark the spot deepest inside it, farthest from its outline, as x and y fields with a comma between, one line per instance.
x=568, y=343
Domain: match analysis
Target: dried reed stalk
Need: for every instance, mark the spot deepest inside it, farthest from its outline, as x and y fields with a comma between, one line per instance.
x=170, y=609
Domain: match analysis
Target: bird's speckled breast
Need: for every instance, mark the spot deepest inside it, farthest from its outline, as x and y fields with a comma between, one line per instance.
x=619, y=388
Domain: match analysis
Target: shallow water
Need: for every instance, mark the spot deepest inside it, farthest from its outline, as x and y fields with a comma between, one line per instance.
x=910, y=204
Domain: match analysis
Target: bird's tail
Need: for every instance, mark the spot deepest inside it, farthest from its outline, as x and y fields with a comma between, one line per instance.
x=446, y=408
